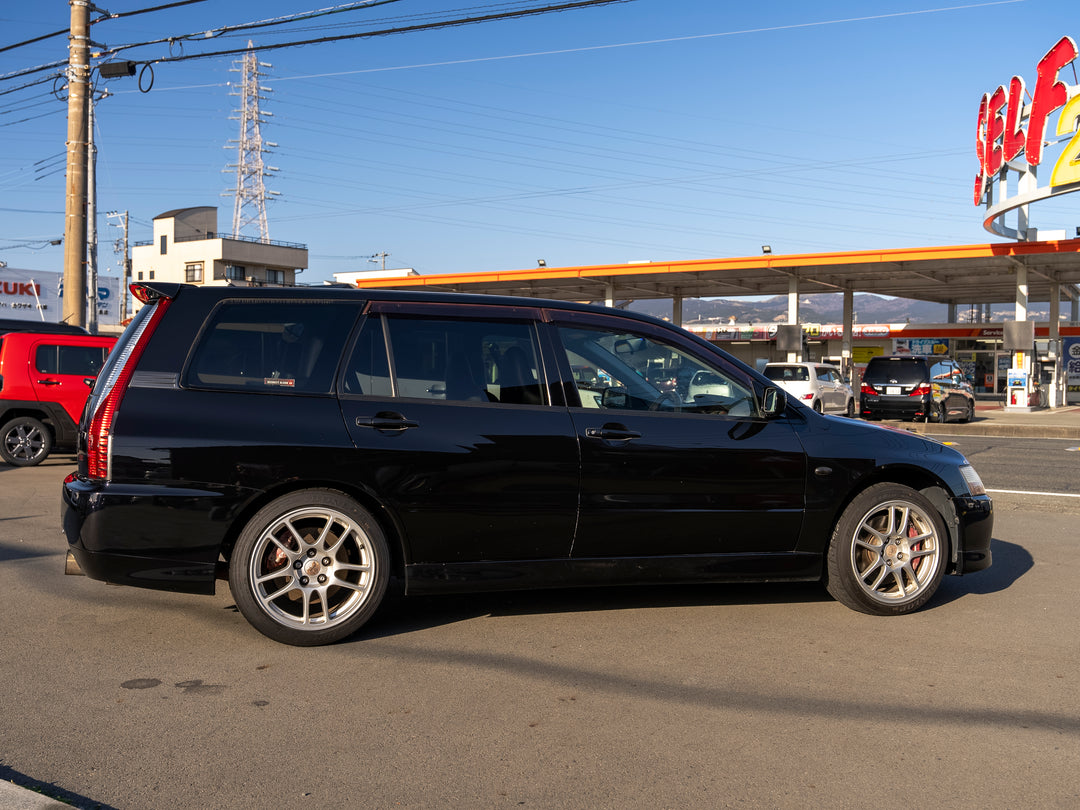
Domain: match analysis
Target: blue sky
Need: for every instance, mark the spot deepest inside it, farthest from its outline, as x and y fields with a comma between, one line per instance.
x=647, y=130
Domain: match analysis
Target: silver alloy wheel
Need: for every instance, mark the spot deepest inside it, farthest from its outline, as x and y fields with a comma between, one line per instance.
x=26, y=442
x=312, y=568
x=895, y=552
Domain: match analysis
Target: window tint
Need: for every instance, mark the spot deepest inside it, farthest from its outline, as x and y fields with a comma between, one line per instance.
x=272, y=346
x=634, y=372
x=84, y=361
x=448, y=359
x=368, y=370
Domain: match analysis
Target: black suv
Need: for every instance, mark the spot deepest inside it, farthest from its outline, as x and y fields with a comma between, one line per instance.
x=933, y=389
x=314, y=445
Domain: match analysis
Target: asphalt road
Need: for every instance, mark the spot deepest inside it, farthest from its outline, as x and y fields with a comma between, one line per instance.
x=733, y=696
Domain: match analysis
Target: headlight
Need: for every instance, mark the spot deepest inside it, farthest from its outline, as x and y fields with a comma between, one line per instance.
x=975, y=484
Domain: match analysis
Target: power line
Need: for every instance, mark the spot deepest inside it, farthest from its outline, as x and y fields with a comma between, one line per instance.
x=227, y=30
x=105, y=16
x=431, y=26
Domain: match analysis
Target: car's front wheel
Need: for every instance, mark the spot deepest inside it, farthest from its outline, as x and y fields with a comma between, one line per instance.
x=849, y=412
x=309, y=568
x=25, y=441
x=888, y=552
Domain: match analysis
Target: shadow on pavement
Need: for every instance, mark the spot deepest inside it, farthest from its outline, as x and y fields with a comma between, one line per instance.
x=399, y=615
x=48, y=790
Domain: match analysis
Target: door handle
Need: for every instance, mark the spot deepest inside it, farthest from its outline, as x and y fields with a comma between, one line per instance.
x=48, y=382
x=390, y=422
x=612, y=433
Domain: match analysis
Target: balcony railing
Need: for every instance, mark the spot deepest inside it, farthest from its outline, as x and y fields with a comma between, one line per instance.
x=229, y=237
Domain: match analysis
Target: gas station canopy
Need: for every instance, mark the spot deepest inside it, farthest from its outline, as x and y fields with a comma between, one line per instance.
x=959, y=275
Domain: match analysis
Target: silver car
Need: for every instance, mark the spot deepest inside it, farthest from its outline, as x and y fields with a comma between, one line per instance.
x=816, y=385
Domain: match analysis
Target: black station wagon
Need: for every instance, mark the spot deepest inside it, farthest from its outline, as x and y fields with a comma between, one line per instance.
x=313, y=445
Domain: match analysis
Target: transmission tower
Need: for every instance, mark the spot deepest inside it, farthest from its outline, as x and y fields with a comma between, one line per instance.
x=250, y=194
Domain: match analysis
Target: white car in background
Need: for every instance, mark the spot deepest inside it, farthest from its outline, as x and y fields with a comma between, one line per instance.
x=816, y=385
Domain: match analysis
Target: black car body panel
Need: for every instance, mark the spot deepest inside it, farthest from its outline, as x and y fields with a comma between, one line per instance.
x=528, y=487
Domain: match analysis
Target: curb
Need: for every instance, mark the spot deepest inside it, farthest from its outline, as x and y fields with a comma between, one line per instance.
x=14, y=797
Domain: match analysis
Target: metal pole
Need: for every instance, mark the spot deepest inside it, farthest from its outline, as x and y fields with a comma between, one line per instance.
x=127, y=275
x=78, y=79
x=91, y=221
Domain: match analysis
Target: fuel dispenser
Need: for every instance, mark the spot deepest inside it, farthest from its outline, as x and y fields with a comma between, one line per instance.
x=1021, y=391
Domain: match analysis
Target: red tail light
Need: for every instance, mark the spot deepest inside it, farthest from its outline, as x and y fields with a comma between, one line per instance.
x=868, y=389
x=100, y=429
x=920, y=389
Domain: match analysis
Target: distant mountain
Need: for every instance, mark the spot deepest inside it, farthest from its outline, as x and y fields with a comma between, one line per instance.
x=824, y=308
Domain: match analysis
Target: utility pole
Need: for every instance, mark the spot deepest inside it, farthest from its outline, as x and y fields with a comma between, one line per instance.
x=377, y=256
x=122, y=248
x=78, y=83
x=91, y=221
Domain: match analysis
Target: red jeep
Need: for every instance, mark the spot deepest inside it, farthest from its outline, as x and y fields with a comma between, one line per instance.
x=43, y=390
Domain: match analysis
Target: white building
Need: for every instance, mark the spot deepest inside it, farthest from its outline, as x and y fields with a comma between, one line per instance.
x=187, y=248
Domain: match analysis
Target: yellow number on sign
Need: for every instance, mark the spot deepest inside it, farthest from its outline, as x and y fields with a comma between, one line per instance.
x=1067, y=168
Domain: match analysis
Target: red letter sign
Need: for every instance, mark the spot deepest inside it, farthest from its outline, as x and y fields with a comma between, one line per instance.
x=1049, y=95
x=995, y=128
x=1014, y=136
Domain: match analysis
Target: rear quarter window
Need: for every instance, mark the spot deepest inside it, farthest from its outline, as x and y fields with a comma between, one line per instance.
x=271, y=346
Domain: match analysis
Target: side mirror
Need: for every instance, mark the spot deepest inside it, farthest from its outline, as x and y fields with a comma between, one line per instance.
x=89, y=381
x=774, y=402
x=614, y=398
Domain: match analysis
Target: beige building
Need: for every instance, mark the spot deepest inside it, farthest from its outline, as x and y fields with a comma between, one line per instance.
x=188, y=249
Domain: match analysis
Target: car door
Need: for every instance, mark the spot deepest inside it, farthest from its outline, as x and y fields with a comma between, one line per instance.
x=667, y=475
x=58, y=373
x=452, y=418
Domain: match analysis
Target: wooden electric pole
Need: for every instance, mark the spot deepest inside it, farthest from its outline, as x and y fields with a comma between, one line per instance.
x=78, y=84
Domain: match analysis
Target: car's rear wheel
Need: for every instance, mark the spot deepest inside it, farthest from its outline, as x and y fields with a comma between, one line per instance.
x=888, y=552
x=25, y=441
x=309, y=568
x=817, y=405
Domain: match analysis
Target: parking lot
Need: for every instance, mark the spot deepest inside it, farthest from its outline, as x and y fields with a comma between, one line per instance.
x=762, y=695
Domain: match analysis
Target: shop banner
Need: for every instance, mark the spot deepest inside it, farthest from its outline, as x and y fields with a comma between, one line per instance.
x=34, y=295
x=1071, y=350
x=928, y=346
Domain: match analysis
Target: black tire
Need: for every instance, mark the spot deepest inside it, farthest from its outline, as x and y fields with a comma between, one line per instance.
x=817, y=406
x=942, y=414
x=309, y=568
x=849, y=412
x=888, y=552
x=25, y=442
x=969, y=414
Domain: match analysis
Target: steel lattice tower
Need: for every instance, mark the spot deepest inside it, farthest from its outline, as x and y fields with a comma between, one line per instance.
x=250, y=194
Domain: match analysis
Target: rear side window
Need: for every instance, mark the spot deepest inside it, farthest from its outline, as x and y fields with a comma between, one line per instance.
x=906, y=371
x=84, y=361
x=272, y=346
x=447, y=359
